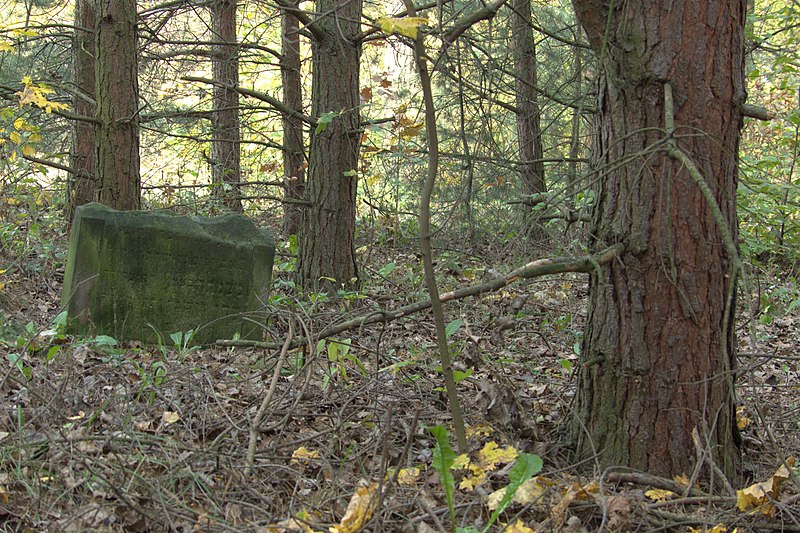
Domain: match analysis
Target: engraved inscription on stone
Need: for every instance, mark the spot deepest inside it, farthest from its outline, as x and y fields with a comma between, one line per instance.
x=130, y=274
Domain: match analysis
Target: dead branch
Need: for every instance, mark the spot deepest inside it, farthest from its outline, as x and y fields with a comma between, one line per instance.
x=540, y=267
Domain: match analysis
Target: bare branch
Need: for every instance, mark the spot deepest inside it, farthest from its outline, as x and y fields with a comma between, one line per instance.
x=540, y=267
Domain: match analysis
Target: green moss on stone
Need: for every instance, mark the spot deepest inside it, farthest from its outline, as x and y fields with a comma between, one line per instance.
x=131, y=271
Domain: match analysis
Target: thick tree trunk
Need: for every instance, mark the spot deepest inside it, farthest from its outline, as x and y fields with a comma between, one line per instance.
x=658, y=349
x=529, y=133
x=327, y=252
x=225, y=153
x=82, y=185
x=293, y=151
x=117, y=90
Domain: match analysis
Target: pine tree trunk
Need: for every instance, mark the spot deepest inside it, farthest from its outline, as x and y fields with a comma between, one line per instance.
x=529, y=133
x=293, y=146
x=225, y=146
x=327, y=252
x=658, y=351
x=82, y=185
x=117, y=90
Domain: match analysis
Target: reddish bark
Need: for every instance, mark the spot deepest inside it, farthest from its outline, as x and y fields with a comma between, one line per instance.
x=657, y=354
x=327, y=251
x=117, y=91
x=293, y=146
x=82, y=185
x=225, y=146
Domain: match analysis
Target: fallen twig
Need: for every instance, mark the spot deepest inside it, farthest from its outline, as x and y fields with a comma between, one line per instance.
x=540, y=267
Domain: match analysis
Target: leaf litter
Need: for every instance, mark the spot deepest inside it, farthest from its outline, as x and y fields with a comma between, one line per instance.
x=106, y=437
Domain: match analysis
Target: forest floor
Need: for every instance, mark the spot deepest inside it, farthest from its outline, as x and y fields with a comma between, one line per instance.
x=102, y=437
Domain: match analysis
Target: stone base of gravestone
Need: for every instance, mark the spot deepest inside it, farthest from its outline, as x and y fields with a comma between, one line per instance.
x=138, y=275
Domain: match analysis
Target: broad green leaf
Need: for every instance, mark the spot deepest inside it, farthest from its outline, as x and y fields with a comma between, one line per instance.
x=324, y=120
x=443, y=459
x=524, y=468
x=452, y=327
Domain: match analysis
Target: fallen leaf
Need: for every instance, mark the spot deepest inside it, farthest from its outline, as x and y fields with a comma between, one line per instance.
x=408, y=476
x=518, y=527
x=170, y=417
x=359, y=510
x=762, y=495
x=304, y=455
x=491, y=455
x=659, y=495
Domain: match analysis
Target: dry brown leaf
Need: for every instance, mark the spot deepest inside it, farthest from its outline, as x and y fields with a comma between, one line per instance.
x=359, y=510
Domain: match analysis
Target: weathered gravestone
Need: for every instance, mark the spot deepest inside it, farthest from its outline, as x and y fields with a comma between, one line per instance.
x=129, y=272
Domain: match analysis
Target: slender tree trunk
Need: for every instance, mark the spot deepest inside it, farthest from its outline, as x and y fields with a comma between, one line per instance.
x=294, y=148
x=327, y=251
x=658, y=350
x=81, y=188
x=529, y=133
x=575, y=135
x=225, y=146
x=117, y=90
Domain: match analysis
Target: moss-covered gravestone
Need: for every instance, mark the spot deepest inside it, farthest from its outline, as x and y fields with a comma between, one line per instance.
x=129, y=272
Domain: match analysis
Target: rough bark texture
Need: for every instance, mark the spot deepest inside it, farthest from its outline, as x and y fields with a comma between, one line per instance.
x=117, y=92
x=293, y=153
x=82, y=185
x=225, y=154
x=326, y=247
x=658, y=347
x=529, y=132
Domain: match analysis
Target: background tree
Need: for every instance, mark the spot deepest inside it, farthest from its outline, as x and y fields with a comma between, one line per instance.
x=117, y=89
x=82, y=184
x=327, y=251
x=658, y=350
x=529, y=132
x=225, y=137
x=294, y=161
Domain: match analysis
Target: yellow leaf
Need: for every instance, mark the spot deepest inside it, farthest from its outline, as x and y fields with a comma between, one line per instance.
x=6, y=47
x=742, y=422
x=412, y=131
x=530, y=491
x=26, y=80
x=359, y=510
x=518, y=527
x=408, y=476
x=19, y=123
x=477, y=476
x=304, y=455
x=491, y=455
x=482, y=429
x=3, y=270
x=170, y=417
x=15, y=137
x=659, y=495
x=24, y=33
x=28, y=150
x=762, y=495
x=2, y=285
x=407, y=26
x=80, y=415
x=290, y=525
x=460, y=462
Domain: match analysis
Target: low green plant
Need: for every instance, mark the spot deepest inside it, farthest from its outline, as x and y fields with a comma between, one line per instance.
x=181, y=343
x=444, y=457
x=338, y=354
